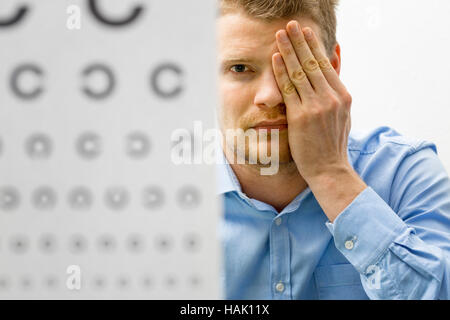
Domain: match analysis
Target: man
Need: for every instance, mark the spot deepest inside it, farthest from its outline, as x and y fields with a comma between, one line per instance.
x=347, y=216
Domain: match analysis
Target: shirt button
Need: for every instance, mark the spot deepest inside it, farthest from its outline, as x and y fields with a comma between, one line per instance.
x=349, y=244
x=278, y=221
x=279, y=287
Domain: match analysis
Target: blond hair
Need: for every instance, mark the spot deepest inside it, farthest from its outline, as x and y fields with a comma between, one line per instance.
x=322, y=12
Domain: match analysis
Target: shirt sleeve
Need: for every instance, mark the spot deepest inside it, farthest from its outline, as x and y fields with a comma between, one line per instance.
x=401, y=251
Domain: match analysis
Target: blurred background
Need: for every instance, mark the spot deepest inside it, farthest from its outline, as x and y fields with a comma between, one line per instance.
x=90, y=93
x=395, y=64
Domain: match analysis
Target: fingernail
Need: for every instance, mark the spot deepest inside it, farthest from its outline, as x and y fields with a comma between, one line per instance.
x=283, y=36
x=297, y=27
x=308, y=33
x=294, y=28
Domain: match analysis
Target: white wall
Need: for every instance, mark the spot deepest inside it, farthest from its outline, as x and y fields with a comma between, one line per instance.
x=395, y=64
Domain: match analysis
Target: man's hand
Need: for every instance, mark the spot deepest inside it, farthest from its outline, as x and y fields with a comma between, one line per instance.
x=318, y=115
x=317, y=103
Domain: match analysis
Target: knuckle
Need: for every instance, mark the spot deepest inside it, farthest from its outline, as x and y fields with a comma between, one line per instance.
x=298, y=75
x=325, y=64
x=300, y=43
x=288, y=51
x=331, y=102
x=288, y=88
x=313, y=44
x=311, y=65
x=316, y=112
x=347, y=99
x=279, y=72
x=302, y=119
x=334, y=102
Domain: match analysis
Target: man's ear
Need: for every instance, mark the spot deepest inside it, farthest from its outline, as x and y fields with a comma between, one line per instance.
x=335, y=59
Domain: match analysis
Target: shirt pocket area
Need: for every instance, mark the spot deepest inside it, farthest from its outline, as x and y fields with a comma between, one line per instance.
x=339, y=282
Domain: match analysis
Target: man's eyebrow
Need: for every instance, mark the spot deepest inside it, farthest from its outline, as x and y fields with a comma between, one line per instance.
x=236, y=60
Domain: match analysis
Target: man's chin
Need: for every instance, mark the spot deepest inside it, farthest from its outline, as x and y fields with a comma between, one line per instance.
x=282, y=155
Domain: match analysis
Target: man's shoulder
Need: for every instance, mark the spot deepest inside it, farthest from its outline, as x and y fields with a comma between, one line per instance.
x=383, y=155
x=385, y=139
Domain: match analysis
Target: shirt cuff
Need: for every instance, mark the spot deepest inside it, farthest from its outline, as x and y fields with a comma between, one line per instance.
x=365, y=229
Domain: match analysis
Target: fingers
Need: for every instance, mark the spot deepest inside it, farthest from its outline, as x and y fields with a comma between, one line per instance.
x=295, y=71
x=288, y=89
x=306, y=57
x=303, y=68
x=324, y=63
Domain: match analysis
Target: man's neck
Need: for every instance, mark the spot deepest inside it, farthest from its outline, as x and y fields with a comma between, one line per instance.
x=277, y=190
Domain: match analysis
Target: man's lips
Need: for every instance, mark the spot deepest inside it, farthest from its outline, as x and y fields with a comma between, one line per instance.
x=270, y=125
x=279, y=127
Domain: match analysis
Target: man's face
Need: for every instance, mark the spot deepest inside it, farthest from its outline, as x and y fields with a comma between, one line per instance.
x=249, y=93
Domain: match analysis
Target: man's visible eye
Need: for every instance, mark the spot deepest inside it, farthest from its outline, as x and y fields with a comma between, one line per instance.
x=239, y=68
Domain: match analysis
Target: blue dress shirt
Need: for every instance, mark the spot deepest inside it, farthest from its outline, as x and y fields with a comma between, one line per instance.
x=391, y=242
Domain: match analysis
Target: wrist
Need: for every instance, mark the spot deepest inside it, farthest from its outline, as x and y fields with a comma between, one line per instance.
x=331, y=174
x=336, y=189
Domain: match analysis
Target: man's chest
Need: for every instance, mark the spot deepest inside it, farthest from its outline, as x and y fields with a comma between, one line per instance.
x=289, y=256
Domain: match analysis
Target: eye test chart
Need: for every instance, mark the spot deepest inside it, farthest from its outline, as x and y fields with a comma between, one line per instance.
x=91, y=204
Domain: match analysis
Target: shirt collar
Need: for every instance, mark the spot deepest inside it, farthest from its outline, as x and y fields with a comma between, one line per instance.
x=228, y=182
x=226, y=178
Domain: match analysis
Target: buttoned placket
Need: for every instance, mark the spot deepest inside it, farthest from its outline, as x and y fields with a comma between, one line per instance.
x=280, y=270
x=280, y=264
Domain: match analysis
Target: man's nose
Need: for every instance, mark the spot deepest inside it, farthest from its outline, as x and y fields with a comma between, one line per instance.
x=268, y=94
